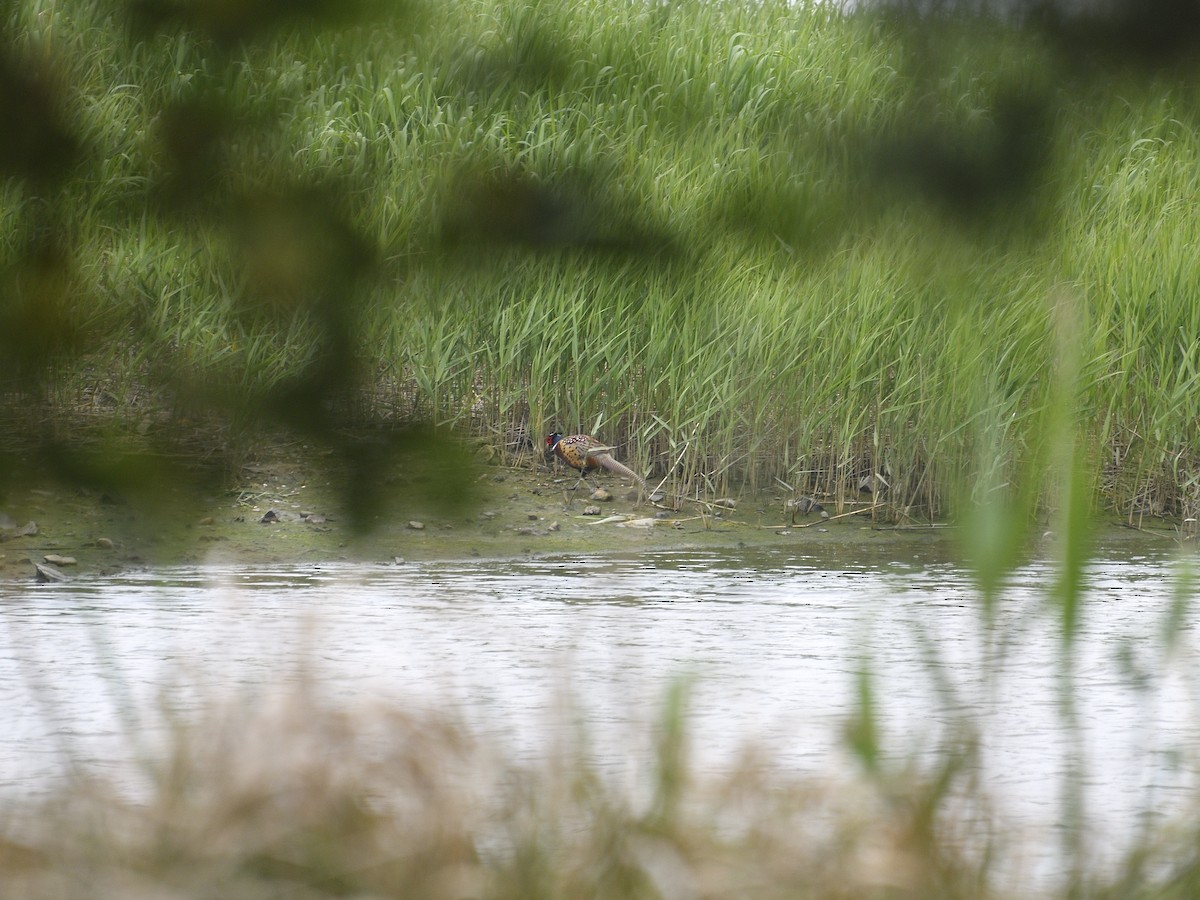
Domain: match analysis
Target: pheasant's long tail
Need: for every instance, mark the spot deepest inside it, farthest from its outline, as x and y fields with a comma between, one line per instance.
x=620, y=468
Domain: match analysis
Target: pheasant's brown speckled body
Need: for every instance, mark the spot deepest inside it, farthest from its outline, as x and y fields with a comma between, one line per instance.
x=585, y=454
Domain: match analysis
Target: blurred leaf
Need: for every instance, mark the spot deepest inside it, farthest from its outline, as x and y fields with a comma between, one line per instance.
x=38, y=324
x=505, y=206
x=1073, y=519
x=862, y=732
x=298, y=251
x=403, y=467
x=1147, y=33
x=233, y=22
x=1073, y=528
x=993, y=536
x=671, y=757
x=194, y=134
x=38, y=143
x=1183, y=588
x=975, y=172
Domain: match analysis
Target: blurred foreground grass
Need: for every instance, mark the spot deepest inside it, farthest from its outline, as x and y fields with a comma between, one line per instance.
x=286, y=795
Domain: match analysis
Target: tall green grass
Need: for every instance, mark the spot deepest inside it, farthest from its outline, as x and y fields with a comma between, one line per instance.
x=735, y=285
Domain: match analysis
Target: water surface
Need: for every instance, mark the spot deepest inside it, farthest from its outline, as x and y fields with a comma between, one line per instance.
x=773, y=640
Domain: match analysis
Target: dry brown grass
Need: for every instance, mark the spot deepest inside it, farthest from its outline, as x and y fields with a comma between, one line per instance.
x=298, y=798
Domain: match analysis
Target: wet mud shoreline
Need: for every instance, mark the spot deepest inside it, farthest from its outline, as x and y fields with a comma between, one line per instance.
x=284, y=509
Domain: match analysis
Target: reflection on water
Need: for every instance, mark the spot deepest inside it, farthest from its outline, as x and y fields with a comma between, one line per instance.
x=773, y=640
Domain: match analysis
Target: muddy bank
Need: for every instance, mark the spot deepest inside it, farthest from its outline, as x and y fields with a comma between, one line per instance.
x=287, y=508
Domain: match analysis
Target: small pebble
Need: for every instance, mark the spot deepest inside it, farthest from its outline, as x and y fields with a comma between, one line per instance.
x=104, y=543
x=553, y=526
x=600, y=495
x=55, y=559
x=591, y=511
x=416, y=526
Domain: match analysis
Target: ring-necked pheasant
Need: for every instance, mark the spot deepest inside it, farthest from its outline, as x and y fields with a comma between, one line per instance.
x=585, y=454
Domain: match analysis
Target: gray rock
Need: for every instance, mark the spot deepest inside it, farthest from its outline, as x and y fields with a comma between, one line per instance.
x=46, y=573
x=27, y=530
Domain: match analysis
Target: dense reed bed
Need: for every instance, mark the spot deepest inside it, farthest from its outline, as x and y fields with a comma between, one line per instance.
x=750, y=243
